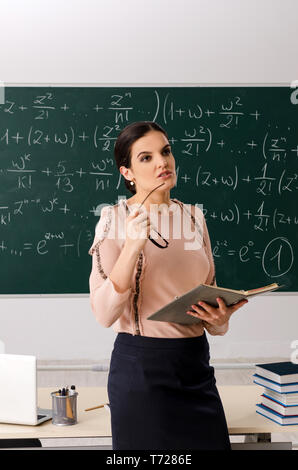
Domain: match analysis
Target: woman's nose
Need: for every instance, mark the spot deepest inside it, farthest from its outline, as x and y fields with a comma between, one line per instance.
x=163, y=162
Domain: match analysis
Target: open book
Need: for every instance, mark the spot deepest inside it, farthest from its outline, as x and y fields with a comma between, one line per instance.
x=175, y=311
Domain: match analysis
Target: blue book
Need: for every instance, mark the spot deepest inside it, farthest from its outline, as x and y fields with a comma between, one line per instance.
x=271, y=385
x=276, y=417
x=280, y=372
x=288, y=398
x=281, y=408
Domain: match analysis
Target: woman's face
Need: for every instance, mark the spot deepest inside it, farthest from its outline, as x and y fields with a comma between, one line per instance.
x=150, y=156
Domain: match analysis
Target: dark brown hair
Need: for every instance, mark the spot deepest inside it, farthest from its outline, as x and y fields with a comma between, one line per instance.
x=128, y=135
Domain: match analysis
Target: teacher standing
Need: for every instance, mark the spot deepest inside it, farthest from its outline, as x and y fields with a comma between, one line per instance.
x=161, y=387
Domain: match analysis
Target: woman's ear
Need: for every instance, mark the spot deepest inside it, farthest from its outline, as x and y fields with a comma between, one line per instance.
x=126, y=173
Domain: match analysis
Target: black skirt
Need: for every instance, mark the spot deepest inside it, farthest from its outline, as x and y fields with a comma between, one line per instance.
x=163, y=395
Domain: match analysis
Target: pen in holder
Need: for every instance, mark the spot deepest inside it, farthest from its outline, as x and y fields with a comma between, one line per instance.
x=64, y=409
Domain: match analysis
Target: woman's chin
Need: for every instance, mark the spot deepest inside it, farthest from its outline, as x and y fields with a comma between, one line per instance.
x=168, y=183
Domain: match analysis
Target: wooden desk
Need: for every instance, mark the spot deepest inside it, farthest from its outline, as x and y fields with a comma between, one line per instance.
x=94, y=423
x=238, y=400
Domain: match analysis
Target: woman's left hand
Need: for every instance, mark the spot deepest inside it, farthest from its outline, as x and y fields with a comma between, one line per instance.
x=216, y=316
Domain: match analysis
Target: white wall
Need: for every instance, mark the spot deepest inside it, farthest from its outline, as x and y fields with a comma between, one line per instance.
x=64, y=328
x=148, y=41
x=145, y=42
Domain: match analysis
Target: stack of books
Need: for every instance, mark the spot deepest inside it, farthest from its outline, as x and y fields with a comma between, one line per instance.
x=279, y=401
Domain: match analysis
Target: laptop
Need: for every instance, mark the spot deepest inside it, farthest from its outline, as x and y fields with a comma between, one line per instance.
x=18, y=391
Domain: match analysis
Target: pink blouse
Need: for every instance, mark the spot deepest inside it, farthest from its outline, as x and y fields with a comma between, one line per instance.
x=159, y=275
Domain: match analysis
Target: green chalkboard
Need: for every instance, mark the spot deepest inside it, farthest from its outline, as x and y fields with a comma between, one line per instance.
x=236, y=151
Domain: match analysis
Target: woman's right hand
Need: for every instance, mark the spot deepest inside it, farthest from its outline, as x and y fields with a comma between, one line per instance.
x=137, y=230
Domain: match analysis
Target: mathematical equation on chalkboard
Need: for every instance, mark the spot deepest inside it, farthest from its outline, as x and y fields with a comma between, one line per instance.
x=236, y=153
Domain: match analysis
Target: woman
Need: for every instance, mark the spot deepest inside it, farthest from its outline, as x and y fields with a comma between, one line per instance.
x=161, y=388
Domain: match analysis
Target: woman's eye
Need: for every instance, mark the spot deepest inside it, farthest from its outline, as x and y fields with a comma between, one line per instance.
x=166, y=151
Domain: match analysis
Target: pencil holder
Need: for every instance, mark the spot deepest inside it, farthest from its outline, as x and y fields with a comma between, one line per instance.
x=64, y=409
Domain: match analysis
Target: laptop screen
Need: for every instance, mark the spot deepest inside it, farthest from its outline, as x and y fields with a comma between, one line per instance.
x=18, y=390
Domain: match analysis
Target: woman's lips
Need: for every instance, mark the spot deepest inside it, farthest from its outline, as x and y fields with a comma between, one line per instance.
x=165, y=176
